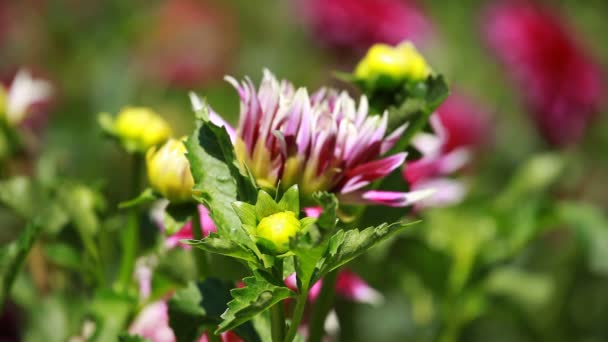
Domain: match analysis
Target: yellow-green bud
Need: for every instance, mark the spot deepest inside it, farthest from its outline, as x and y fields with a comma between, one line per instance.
x=274, y=231
x=141, y=128
x=395, y=64
x=169, y=171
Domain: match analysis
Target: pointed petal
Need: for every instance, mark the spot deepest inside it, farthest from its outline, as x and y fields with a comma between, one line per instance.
x=395, y=198
x=373, y=170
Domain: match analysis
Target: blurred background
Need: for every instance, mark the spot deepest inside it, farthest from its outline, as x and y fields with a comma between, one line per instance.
x=523, y=257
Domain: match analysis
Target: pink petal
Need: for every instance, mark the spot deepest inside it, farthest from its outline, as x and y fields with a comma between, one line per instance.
x=446, y=192
x=394, y=198
x=313, y=211
x=362, y=174
x=351, y=286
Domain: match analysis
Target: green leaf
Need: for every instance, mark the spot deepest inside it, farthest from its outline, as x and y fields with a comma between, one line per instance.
x=111, y=311
x=246, y=213
x=425, y=98
x=265, y=206
x=329, y=217
x=12, y=257
x=215, y=244
x=257, y=296
x=187, y=316
x=291, y=200
x=146, y=196
x=64, y=255
x=306, y=261
x=345, y=246
x=106, y=122
x=215, y=172
x=216, y=295
x=210, y=133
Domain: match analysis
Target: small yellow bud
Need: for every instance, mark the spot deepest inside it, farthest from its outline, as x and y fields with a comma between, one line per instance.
x=392, y=64
x=274, y=231
x=169, y=171
x=141, y=128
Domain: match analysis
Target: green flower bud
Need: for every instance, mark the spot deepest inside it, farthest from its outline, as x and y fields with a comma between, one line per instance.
x=140, y=128
x=274, y=231
x=169, y=171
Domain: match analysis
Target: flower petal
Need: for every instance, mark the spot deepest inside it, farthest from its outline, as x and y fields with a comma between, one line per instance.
x=395, y=198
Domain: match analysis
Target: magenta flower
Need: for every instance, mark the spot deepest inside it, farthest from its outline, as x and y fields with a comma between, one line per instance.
x=465, y=123
x=562, y=83
x=348, y=285
x=325, y=141
x=357, y=24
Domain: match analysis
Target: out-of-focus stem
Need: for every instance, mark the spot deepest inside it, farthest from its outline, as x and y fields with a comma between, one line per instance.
x=322, y=306
x=277, y=312
x=297, y=316
x=130, y=236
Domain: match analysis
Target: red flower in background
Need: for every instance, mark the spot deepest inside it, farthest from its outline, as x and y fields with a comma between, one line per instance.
x=357, y=24
x=190, y=42
x=561, y=81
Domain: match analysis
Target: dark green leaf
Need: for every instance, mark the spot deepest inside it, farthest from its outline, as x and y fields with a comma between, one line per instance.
x=214, y=169
x=215, y=244
x=257, y=296
x=216, y=294
x=12, y=257
x=187, y=316
x=345, y=246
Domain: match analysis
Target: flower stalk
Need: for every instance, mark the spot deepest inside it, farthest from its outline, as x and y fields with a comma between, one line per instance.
x=322, y=307
x=130, y=236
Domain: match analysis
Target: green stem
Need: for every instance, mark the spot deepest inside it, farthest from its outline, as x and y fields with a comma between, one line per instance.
x=213, y=337
x=277, y=312
x=200, y=256
x=297, y=316
x=130, y=235
x=322, y=306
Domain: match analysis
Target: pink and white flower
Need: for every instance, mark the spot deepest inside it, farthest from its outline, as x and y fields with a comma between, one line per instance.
x=348, y=285
x=431, y=170
x=324, y=141
x=23, y=92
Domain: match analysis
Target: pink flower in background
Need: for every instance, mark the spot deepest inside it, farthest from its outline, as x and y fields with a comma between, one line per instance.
x=153, y=323
x=466, y=124
x=185, y=232
x=348, y=285
x=325, y=141
x=459, y=128
x=190, y=42
x=357, y=24
x=562, y=84
x=24, y=93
